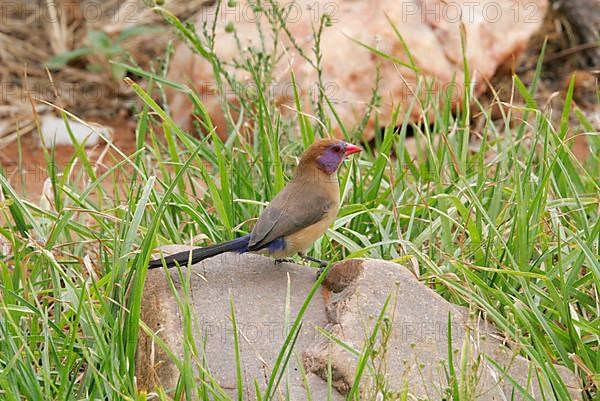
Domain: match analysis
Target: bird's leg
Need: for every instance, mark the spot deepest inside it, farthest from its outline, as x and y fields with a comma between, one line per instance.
x=322, y=263
x=283, y=260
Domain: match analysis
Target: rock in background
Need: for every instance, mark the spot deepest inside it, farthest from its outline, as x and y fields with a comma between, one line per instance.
x=495, y=33
x=411, y=344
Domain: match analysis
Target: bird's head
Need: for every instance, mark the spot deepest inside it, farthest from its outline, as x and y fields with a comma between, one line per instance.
x=328, y=154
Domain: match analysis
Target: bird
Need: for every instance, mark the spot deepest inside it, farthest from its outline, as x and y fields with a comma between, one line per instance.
x=298, y=215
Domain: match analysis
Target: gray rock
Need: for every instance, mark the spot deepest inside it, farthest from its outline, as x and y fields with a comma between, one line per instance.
x=411, y=345
x=258, y=289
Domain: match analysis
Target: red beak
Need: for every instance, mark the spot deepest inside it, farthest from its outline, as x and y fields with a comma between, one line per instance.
x=350, y=149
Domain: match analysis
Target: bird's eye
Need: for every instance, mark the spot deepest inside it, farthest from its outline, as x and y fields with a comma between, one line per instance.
x=337, y=148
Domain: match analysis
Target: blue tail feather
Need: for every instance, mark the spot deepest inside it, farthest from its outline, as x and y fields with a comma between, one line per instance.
x=239, y=245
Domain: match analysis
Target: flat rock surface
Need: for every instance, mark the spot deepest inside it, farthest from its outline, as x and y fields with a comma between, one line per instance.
x=411, y=339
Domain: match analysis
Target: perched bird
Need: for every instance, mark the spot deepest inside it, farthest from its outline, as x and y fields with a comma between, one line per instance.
x=298, y=215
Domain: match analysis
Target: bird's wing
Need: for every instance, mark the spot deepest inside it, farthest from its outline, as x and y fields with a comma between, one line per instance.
x=293, y=209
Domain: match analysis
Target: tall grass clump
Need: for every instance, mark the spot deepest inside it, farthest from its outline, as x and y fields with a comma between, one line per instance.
x=510, y=230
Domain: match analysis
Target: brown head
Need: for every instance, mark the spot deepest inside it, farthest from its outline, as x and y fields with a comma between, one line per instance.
x=326, y=155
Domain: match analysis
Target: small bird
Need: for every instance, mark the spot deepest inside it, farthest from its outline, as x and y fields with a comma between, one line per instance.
x=295, y=218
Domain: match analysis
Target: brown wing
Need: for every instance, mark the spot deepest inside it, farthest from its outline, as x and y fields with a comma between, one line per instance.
x=293, y=209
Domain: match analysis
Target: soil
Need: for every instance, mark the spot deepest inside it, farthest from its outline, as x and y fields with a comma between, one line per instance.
x=27, y=169
x=25, y=164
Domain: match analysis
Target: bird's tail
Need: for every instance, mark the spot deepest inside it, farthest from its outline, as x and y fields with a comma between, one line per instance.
x=183, y=258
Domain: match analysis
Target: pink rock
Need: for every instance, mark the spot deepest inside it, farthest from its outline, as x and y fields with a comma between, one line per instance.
x=496, y=31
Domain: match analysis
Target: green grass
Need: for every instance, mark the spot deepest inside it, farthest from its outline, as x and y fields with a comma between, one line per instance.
x=511, y=231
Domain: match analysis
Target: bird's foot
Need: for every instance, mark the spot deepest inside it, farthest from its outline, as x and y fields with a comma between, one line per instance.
x=322, y=263
x=321, y=270
x=283, y=260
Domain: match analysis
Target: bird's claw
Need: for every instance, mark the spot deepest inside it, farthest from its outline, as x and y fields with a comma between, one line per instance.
x=319, y=272
x=322, y=268
x=283, y=260
x=322, y=263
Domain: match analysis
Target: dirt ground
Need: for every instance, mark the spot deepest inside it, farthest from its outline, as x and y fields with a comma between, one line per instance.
x=25, y=164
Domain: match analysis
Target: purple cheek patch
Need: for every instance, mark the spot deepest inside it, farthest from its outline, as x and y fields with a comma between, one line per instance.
x=330, y=161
